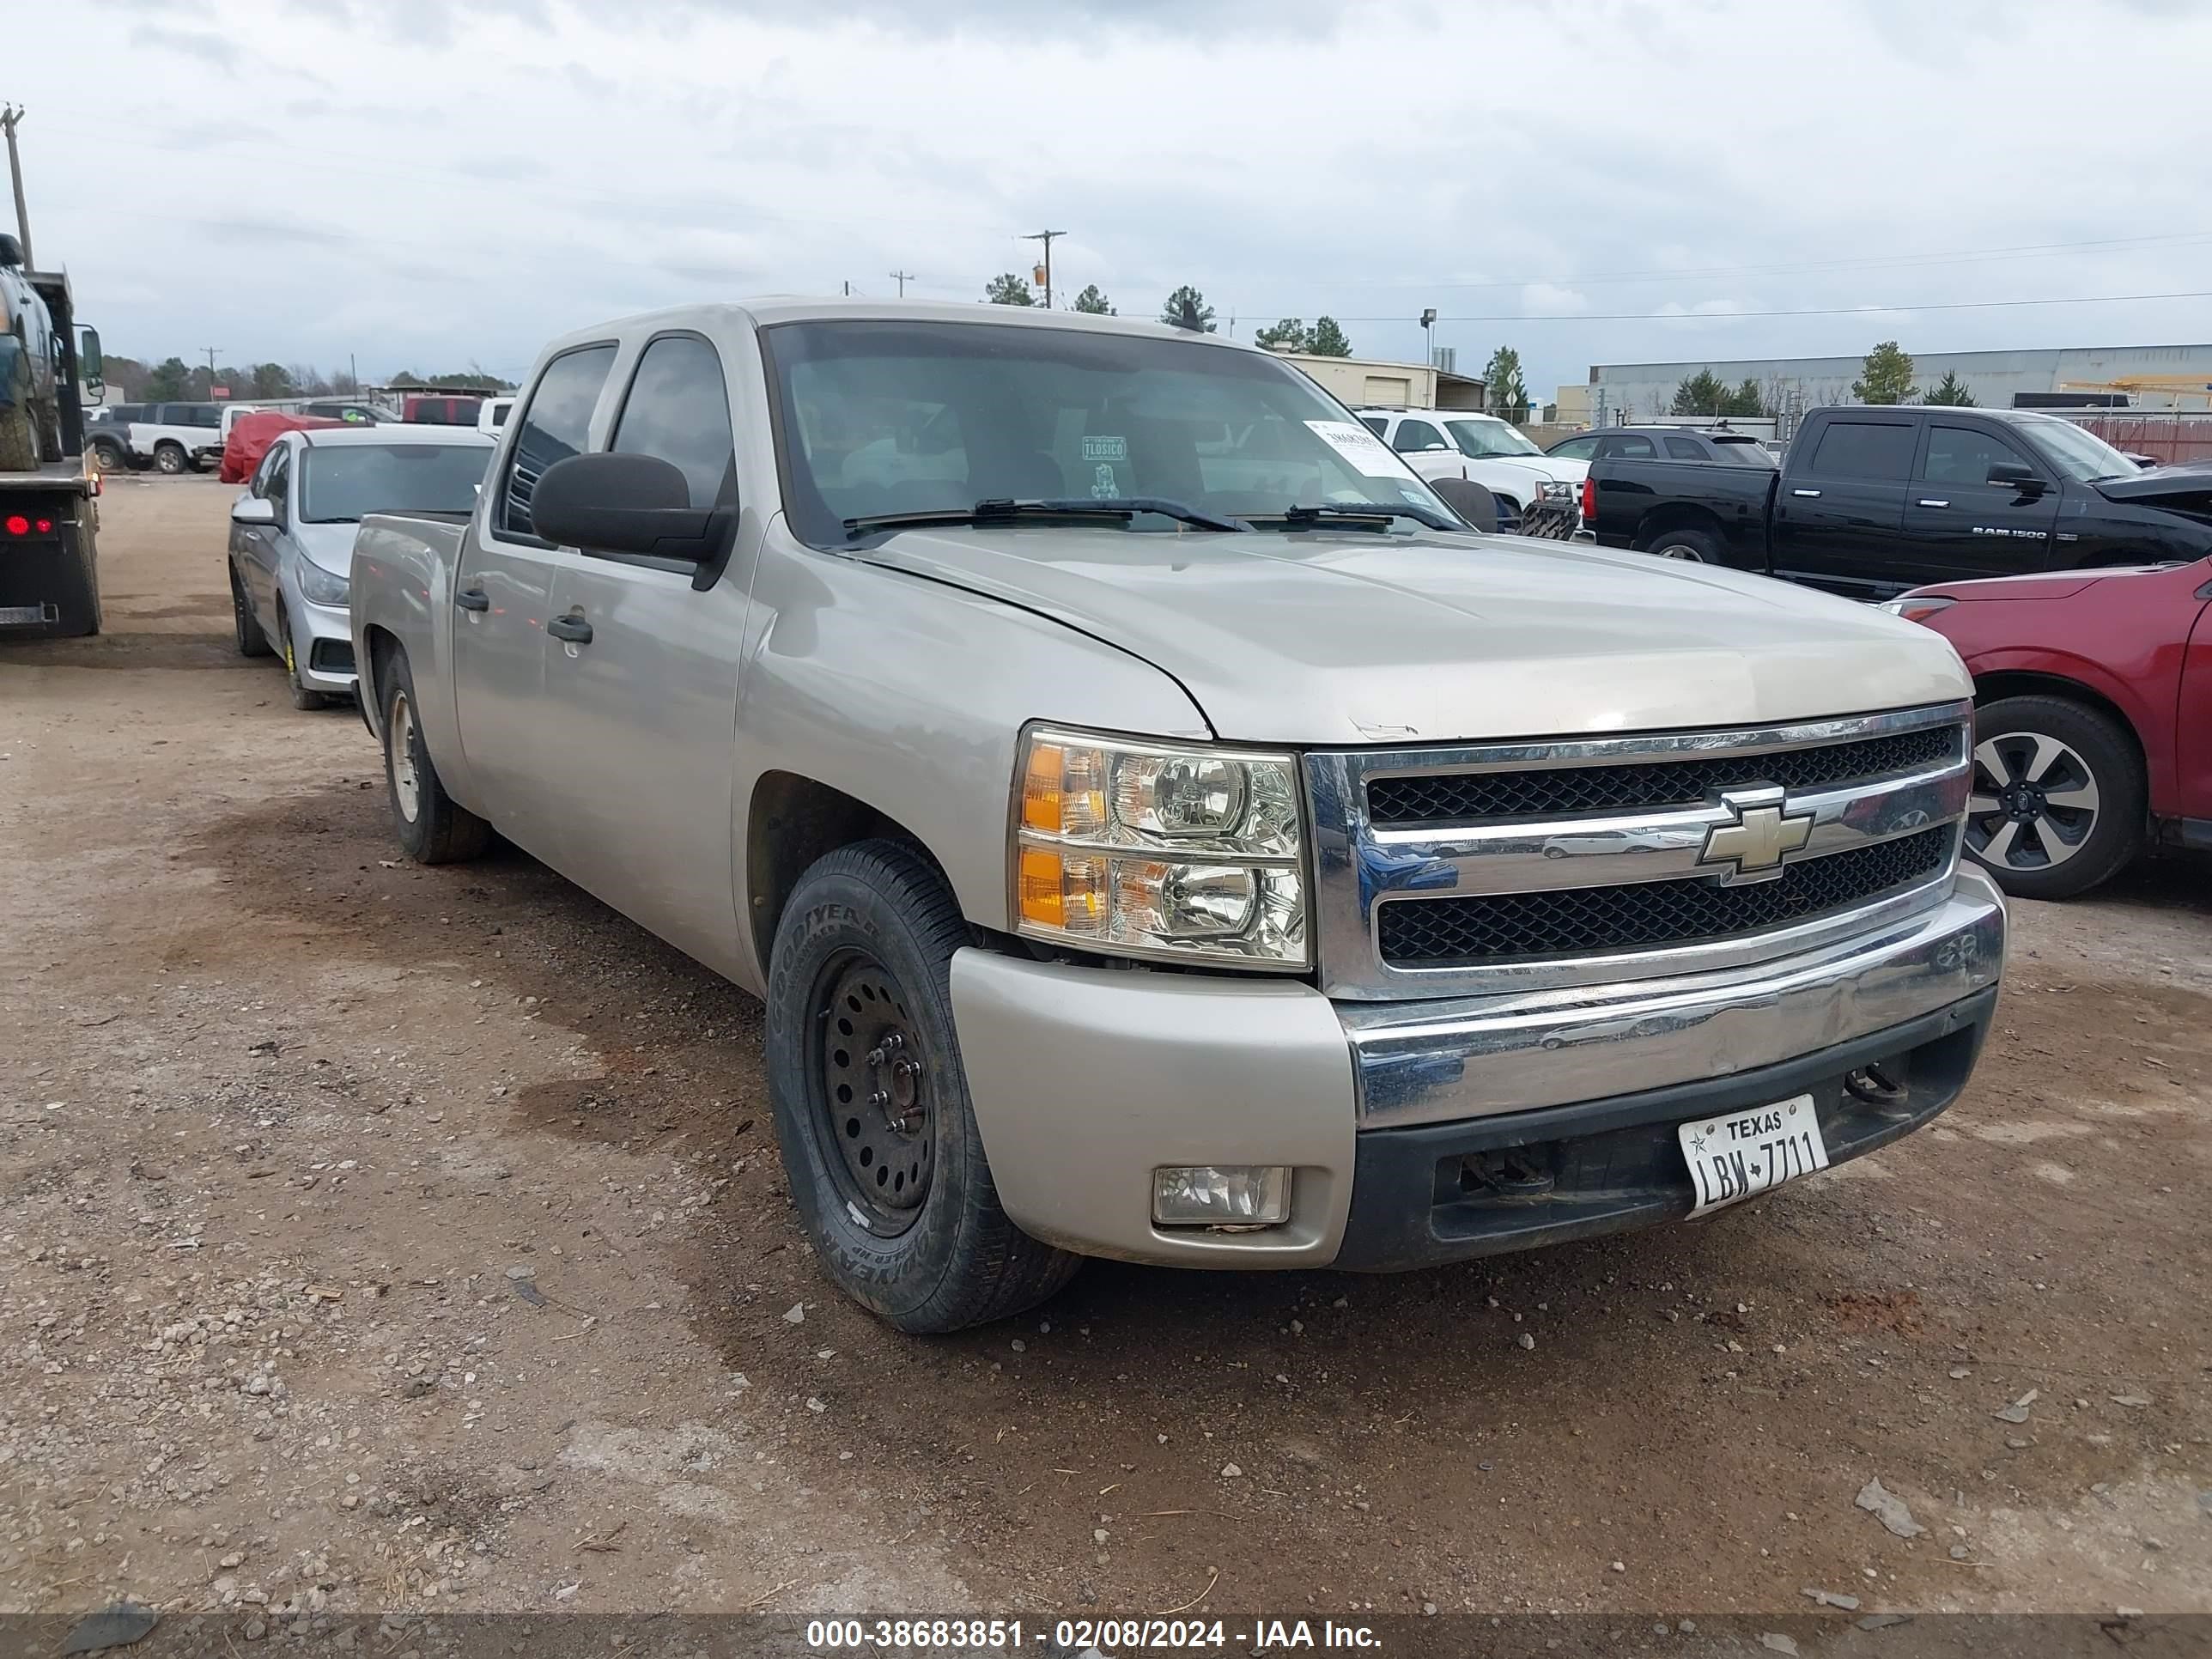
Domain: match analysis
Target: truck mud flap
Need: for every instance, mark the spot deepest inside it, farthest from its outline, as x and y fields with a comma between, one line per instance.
x=49, y=591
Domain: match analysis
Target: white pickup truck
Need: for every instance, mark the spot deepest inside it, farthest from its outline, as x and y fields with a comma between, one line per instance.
x=1158, y=827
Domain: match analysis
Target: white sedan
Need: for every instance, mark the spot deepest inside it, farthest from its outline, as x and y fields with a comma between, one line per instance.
x=291, y=535
x=1451, y=443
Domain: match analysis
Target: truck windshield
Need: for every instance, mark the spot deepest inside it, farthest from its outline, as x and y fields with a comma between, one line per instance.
x=1481, y=438
x=2080, y=455
x=339, y=483
x=899, y=417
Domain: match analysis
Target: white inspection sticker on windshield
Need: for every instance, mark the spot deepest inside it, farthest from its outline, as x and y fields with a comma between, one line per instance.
x=1360, y=446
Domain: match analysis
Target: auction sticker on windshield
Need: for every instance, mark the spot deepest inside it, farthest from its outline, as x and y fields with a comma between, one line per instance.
x=1738, y=1155
x=1360, y=446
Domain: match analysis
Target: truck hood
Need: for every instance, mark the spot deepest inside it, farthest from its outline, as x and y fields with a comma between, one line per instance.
x=1558, y=469
x=2185, y=489
x=1318, y=639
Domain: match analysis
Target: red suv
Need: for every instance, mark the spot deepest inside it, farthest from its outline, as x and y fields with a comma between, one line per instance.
x=2093, y=728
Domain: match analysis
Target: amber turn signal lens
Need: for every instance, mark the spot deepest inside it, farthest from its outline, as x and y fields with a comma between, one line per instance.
x=1040, y=785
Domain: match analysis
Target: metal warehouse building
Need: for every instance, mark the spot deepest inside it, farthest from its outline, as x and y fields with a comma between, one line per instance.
x=2141, y=377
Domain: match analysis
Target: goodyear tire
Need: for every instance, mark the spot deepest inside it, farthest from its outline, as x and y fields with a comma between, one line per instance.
x=879, y=1139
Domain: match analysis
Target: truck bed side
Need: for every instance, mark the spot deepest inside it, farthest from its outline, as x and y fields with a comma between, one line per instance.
x=403, y=593
x=1637, y=500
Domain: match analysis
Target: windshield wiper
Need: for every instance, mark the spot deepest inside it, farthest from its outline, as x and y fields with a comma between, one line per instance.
x=997, y=510
x=1305, y=517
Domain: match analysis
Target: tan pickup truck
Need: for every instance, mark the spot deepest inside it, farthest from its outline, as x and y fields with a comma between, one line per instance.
x=1158, y=827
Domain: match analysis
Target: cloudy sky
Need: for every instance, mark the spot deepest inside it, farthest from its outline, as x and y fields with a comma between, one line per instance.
x=436, y=183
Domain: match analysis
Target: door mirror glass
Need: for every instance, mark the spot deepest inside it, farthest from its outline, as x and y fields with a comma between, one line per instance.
x=91, y=367
x=252, y=509
x=639, y=505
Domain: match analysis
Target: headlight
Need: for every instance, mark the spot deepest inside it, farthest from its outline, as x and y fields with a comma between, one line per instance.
x=1915, y=607
x=1155, y=850
x=319, y=587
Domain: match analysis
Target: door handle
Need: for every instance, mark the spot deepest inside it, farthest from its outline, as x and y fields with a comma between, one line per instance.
x=1809, y=495
x=473, y=599
x=574, y=629
x=1929, y=501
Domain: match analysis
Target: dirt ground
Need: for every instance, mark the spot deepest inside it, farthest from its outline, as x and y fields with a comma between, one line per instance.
x=381, y=1237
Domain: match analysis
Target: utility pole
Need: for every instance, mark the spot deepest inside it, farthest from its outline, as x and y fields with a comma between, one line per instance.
x=210, y=351
x=848, y=287
x=1046, y=236
x=10, y=117
x=902, y=277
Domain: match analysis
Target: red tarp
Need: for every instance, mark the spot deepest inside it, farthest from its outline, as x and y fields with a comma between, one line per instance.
x=251, y=436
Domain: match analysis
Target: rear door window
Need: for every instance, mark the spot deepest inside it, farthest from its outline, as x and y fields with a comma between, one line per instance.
x=1878, y=451
x=1632, y=446
x=1684, y=449
x=554, y=426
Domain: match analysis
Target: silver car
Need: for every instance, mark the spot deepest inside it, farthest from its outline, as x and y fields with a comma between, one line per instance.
x=292, y=530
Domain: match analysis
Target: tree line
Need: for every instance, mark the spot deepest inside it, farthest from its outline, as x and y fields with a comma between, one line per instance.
x=1886, y=376
x=174, y=380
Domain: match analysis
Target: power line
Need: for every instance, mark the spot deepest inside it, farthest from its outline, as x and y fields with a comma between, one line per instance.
x=1875, y=261
x=1807, y=311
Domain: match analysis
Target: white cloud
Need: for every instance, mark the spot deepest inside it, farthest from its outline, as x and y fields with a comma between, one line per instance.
x=469, y=180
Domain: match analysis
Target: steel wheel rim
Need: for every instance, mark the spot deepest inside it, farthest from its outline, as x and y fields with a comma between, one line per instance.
x=399, y=743
x=872, y=1083
x=2033, y=803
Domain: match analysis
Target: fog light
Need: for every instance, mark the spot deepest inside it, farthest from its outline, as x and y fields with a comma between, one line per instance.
x=1222, y=1195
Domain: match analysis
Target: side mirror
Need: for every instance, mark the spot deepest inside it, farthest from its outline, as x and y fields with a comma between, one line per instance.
x=634, y=504
x=2015, y=474
x=90, y=365
x=253, y=509
x=1433, y=449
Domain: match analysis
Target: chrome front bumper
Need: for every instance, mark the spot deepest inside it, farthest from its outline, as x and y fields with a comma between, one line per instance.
x=1084, y=1080
x=1429, y=1062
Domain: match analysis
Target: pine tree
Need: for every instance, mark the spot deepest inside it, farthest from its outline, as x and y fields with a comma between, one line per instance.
x=1886, y=376
x=1289, y=334
x=1092, y=302
x=1187, y=297
x=1328, y=339
x=1009, y=288
x=1951, y=391
x=1507, y=394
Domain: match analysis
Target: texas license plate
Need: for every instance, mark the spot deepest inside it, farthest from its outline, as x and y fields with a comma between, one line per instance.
x=1738, y=1155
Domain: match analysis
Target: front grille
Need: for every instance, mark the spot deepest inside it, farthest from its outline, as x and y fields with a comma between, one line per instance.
x=1449, y=932
x=1556, y=792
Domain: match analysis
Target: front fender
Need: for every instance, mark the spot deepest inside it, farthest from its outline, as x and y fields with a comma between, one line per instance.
x=909, y=695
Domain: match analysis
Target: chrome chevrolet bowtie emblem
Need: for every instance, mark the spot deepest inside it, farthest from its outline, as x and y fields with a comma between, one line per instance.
x=1762, y=835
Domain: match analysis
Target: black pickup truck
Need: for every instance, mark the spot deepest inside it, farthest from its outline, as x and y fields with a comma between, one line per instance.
x=1872, y=501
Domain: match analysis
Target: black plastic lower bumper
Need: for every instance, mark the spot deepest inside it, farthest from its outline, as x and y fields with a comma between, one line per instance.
x=1443, y=1192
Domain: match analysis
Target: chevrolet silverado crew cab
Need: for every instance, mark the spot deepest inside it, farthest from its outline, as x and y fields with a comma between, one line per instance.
x=1872, y=501
x=1158, y=828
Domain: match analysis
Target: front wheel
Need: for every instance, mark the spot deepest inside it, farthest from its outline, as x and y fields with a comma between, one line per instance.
x=879, y=1139
x=2058, y=798
x=304, y=697
x=252, y=640
x=169, y=458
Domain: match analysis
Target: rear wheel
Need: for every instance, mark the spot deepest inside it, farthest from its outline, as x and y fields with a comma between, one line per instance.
x=1691, y=546
x=871, y=1107
x=2058, y=797
x=432, y=826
